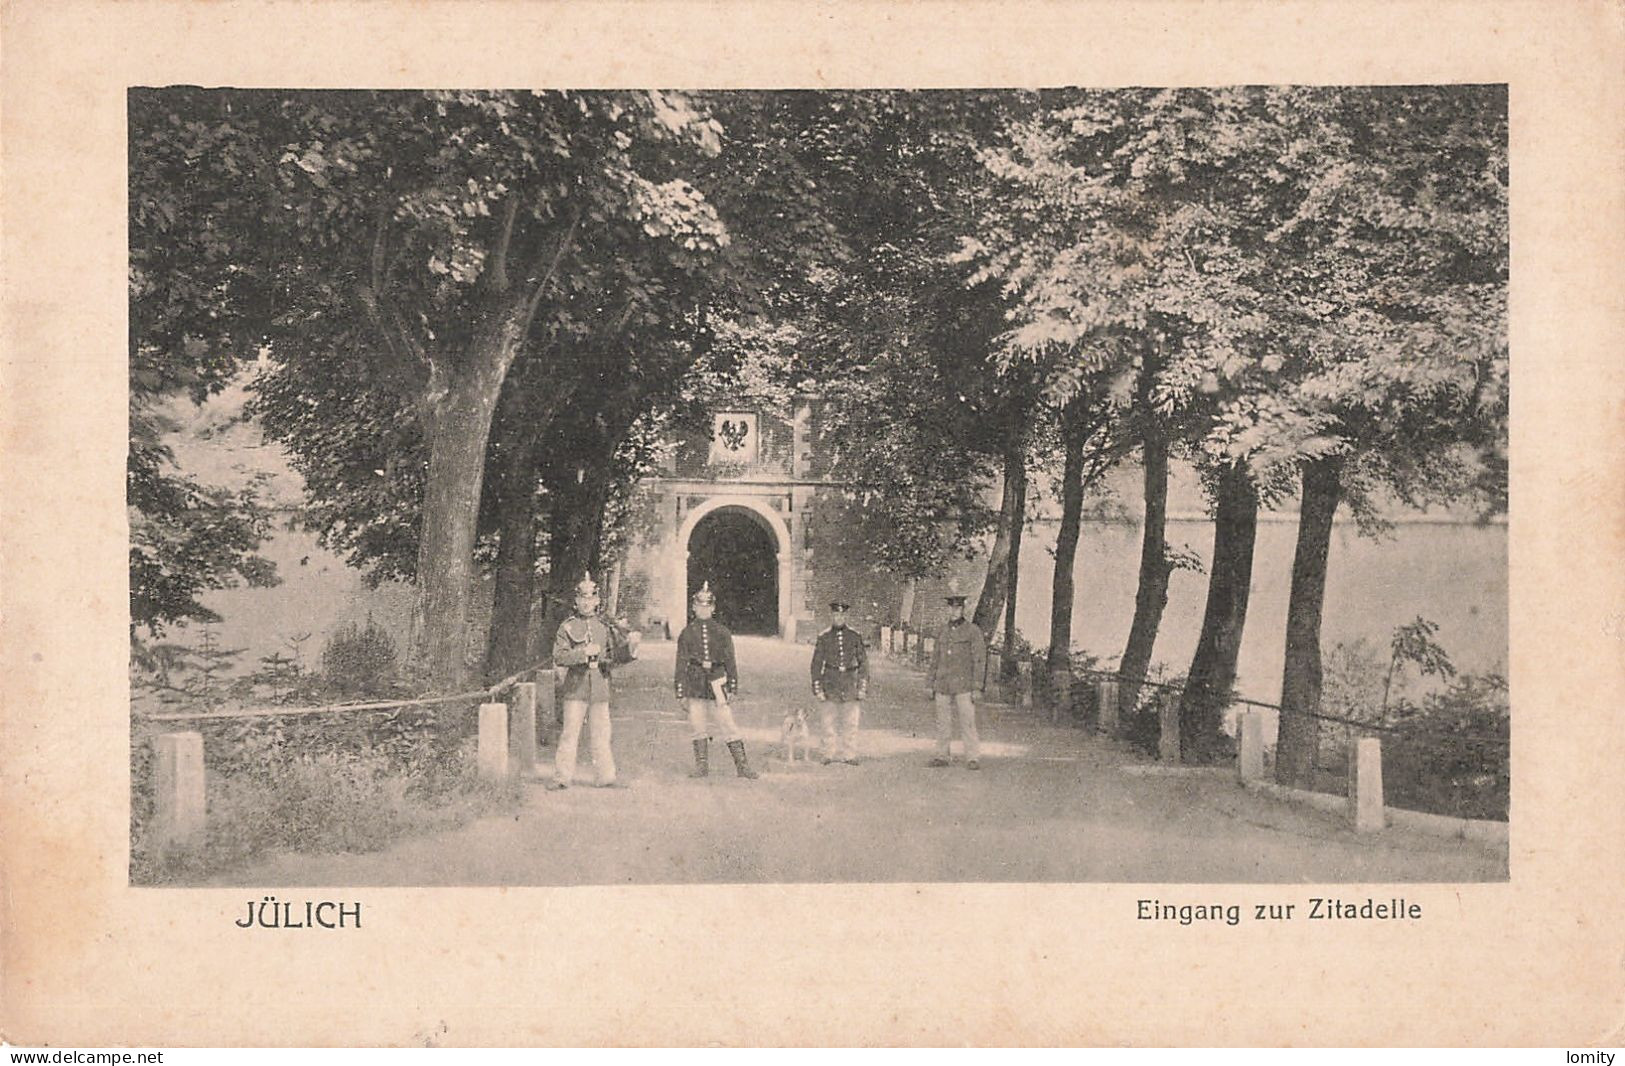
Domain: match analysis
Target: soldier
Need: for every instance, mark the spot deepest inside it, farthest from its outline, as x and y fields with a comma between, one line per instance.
x=585, y=652
x=958, y=669
x=840, y=680
x=706, y=677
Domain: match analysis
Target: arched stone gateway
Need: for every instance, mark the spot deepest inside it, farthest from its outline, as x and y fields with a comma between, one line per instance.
x=749, y=507
x=739, y=545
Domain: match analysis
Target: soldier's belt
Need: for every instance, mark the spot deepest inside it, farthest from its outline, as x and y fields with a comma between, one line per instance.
x=841, y=669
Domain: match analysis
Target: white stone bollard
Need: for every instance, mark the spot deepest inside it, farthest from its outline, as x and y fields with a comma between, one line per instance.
x=1106, y=695
x=181, y=798
x=522, y=729
x=1024, y=681
x=885, y=639
x=493, y=757
x=1251, y=758
x=1168, y=727
x=1365, y=786
x=928, y=647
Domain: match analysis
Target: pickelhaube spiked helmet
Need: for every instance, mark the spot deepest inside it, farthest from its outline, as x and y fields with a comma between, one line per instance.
x=587, y=587
x=955, y=595
x=705, y=595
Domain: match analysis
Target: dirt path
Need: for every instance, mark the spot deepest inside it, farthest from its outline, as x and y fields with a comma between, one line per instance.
x=1049, y=804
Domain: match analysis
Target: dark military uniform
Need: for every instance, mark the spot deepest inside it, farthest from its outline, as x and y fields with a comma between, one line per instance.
x=840, y=665
x=705, y=653
x=705, y=656
x=840, y=680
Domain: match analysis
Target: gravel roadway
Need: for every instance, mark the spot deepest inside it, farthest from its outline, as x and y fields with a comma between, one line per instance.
x=1050, y=804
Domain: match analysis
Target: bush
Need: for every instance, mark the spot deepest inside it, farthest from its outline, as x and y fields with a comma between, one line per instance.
x=359, y=659
x=1445, y=751
x=1141, y=724
x=1452, y=755
x=350, y=783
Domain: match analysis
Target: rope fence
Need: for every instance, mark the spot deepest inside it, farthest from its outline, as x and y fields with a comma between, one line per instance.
x=485, y=694
x=1363, y=799
x=916, y=645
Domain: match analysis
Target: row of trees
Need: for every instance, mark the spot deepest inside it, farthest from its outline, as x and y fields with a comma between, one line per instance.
x=483, y=311
x=1293, y=289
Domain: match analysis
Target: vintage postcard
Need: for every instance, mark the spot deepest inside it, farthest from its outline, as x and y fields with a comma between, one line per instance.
x=787, y=524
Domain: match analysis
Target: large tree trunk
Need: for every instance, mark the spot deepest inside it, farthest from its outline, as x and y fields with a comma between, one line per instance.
x=1151, y=597
x=1213, y=669
x=459, y=425
x=1061, y=588
x=1012, y=581
x=1300, y=682
x=507, y=647
x=990, y=604
x=457, y=408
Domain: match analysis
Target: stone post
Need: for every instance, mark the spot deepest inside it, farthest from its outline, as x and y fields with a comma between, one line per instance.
x=1365, y=786
x=1168, y=722
x=928, y=648
x=1106, y=694
x=995, y=675
x=1024, y=681
x=493, y=756
x=547, y=709
x=1252, y=745
x=522, y=729
x=181, y=799
x=885, y=639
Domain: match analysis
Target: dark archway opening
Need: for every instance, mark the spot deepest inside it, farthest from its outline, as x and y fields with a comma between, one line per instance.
x=733, y=550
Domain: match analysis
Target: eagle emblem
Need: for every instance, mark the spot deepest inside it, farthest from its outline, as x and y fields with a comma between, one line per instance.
x=734, y=434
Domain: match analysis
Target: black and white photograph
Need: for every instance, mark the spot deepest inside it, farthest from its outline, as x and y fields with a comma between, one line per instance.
x=641, y=486
x=776, y=524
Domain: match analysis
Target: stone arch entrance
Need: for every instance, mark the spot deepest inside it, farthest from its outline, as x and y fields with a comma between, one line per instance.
x=739, y=546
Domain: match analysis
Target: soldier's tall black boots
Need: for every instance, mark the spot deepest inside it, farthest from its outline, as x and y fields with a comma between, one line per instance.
x=702, y=758
x=736, y=748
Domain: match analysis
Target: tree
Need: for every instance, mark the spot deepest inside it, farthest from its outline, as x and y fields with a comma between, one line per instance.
x=891, y=335
x=1401, y=270
x=426, y=240
x=1114, y=240
x=186, y=539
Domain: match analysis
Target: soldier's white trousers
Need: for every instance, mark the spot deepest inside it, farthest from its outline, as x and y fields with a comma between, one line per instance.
x=597, y=720
x=966, y=705
x=720, y=713
x=840, y=728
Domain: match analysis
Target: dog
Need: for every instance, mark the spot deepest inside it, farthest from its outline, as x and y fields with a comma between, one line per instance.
x=795, y=733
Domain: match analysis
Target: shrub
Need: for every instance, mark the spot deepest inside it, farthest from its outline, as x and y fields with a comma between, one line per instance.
x=359, y=659
x=1141, y=724
x=355, y=782
x=1452, y=755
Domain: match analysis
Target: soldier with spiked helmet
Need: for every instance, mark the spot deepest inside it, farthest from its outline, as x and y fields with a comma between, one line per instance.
x=586, y=650
x=706, y=676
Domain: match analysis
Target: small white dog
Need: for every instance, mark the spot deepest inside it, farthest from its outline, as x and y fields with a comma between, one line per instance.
x=794, y=733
